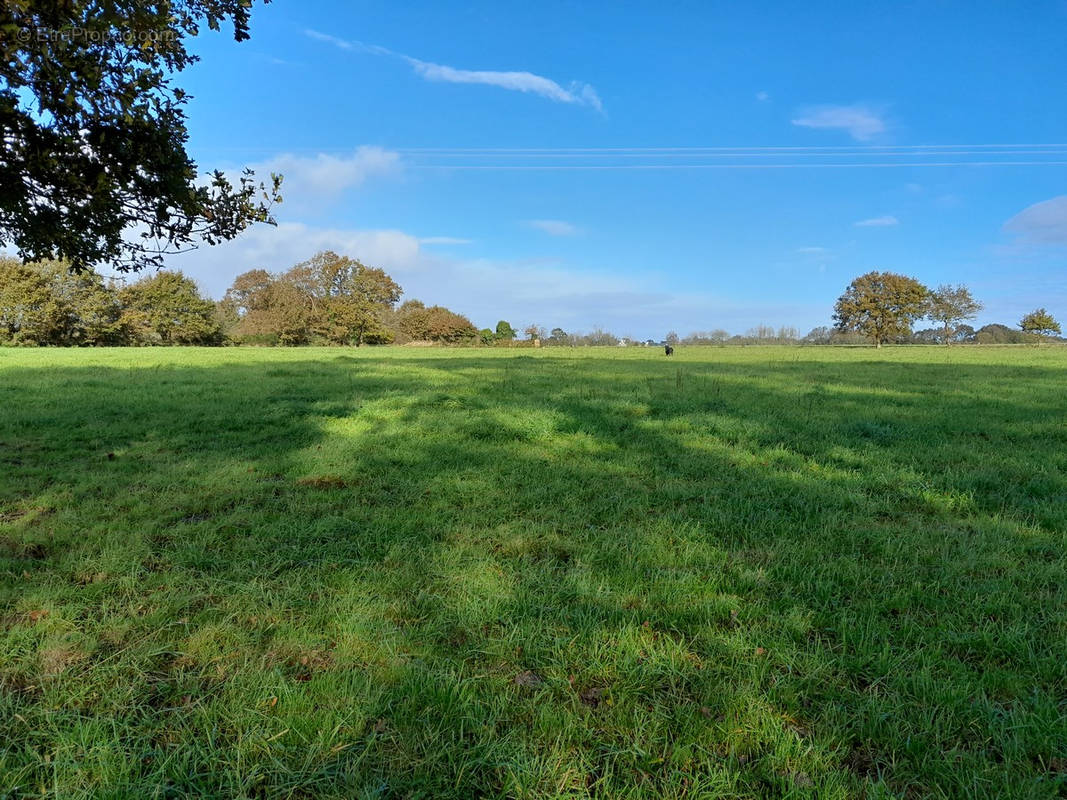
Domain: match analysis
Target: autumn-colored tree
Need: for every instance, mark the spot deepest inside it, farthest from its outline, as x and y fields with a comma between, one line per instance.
x=269, y=309
x=448, y=326
x=166, y=308
x=250, y=291
x=951, y=305
x=535, y=332
x=348, y=299
x=415, y=321
x=328, y=297
x=287, y=315
x=1040, y=323
x=881, y=305
x=410, y=321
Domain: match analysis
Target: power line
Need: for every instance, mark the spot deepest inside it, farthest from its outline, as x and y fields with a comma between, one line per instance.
x=810, y=165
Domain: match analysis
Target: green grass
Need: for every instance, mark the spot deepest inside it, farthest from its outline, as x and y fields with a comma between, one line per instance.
x=758, y=572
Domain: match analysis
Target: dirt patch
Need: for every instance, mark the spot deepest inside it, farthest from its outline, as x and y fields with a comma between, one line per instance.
x=324, y=482
x=528, y=679
x=56, y=660
x=300, y=665
x=28, y=551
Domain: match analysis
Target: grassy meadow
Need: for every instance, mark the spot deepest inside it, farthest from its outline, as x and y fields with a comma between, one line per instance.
x=462, y=573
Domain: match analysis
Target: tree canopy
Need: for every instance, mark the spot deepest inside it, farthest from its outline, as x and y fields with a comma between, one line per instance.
x=166, y=308
x=1041, y=323
x=415, y=322
x=881, y=305
x=951, y=305
x=44, y=303
x=329, y=298
x=94, y=167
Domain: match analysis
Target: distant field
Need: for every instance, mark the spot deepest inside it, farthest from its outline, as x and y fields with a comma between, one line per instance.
x=401, y=573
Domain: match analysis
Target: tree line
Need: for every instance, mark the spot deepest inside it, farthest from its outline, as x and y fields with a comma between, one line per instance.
x=328, y=299
x=334, y=299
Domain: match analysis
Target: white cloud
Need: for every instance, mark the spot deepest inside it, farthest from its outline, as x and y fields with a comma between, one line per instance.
x=762, y=97
x=277, y=248
x=1041, y=223
x=811, y=251
x=528, y=291
x=884, y=221
x=444, y=240
x=860, y=121
x=576, y=92
x=323, y=176
x=553, y=227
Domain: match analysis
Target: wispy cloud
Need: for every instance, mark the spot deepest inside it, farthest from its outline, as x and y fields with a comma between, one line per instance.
x=576, y=92
x=762, y=97
x=553, y=227
x=861, y=122
x=336, y=41
x=885, y=221
x=811, y=251
x=444, y=240
x=1041, y=223
x=349, y=44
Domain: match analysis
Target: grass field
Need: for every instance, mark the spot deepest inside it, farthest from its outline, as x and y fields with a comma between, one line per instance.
x=740, y=572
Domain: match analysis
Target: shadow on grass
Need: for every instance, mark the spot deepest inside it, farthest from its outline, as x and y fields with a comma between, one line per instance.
x=528, y=576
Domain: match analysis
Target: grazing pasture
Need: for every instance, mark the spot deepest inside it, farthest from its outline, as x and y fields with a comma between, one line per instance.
x=400, y=573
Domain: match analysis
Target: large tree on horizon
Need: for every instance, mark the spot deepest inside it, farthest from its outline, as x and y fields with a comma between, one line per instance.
x=881, y=306
x=348, y=298
x=94, y=168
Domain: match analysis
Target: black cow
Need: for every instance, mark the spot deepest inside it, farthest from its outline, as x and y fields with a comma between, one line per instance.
x=668, y=349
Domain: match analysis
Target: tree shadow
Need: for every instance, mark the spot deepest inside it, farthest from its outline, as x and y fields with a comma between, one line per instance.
x=474, y=575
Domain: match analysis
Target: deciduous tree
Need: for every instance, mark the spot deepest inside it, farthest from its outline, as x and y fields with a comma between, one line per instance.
x=535, y=332
x=434, y=324
x=44, y=303
x=29, y=313
x=1041, y=323
x=94, y=166
x=881, y=306
x=951, y=305
x=348, y=298
x=166, y=308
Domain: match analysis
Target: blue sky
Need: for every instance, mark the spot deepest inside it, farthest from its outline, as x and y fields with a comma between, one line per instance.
x=619, y=164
